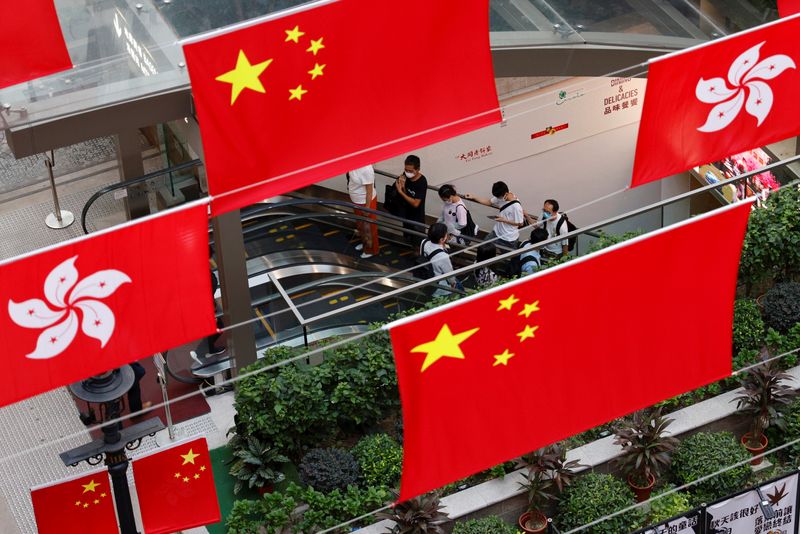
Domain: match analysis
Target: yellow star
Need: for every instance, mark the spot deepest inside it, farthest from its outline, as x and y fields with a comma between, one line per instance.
x=186, y=479
x=102, y=495
x=529, y=309
x=507, y=303
x=294, y=34
x=528, y=332
x=177, y=475
x=90, y=486
x=502, y=359
x=316, y=46
x=316, y=71
x=86, y=505
x=189, y=457
x=77, y=503
x=297, y=93
x=445, y=345
x=196, y=476
x=244, y=76
x=202, y=468
x=97, y=501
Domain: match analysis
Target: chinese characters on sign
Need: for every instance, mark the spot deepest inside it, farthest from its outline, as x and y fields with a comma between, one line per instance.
x=748, y=514
x=477, y=153
x=624, y=98
x=688, y=524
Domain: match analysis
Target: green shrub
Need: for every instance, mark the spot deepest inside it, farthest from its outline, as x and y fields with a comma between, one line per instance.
x=606, y=240
x=748, y=326
x=274, y=511
x=708, y=452
x=593, y=496
x=791, y=432
x=782, y=306
x=380, y=458
x=669, y=506
x=328, y=510
x=781, y=344
x=485, y=525
x=328, y=469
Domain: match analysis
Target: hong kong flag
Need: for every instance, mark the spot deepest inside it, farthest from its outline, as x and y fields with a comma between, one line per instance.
x=95, y=303
x=31, y=30
x=719, y=99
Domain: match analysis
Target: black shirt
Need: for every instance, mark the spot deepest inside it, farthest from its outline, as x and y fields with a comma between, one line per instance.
x=417, y=190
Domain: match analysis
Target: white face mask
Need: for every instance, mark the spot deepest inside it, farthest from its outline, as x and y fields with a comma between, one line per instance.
x=409, y=174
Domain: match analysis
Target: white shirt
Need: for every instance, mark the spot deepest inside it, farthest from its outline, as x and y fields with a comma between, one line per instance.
x=454, y=215
x=551, y=224
x=440, y=264
x=357, y=186
x=505, y=231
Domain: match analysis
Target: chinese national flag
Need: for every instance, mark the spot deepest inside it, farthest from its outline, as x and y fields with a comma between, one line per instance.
x=82, y=505
x=176, y=488
x=504, y=372
x=324, y=89
x=31, y=30
x=723, y=98
x=104, y=300
x=787, y=8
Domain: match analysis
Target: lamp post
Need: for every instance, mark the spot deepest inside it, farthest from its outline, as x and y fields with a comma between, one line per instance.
x=108, y=389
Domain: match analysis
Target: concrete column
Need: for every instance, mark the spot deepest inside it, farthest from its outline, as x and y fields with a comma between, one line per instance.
x=129, y=158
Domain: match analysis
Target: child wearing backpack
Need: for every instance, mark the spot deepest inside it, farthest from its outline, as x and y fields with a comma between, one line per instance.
x=456, y=215
x=557, y=224
x=432, y=252
x=531, y=260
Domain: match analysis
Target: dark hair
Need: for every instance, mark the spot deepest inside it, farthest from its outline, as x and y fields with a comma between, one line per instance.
x=553, y=203
x=538, y=235
x=436, y=232
x=499, y=189
x=413, y=161
x=447, y=191
x=485, y=251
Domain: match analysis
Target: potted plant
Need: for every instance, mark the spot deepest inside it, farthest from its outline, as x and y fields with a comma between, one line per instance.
x=420, y=515
x=646, y=450
x=254, y=463
x=764, y=398
x=548, y=474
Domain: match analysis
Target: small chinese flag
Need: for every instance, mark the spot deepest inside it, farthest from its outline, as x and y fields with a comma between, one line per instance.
x=79, y=505
x=32, y=31
x=176, y=488
x=504, y=372
x=306, y=96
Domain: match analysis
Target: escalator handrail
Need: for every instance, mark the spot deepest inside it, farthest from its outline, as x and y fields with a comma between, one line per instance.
x=129, y=183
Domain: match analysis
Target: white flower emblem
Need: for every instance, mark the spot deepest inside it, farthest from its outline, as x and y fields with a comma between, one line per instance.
x=68, y=296
x=746, y=74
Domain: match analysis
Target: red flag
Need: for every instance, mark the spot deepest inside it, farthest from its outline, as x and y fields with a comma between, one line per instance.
x=709, y=102
x=32, y=31
x=787, y=8
x=321, y=90
x=176, y=488
x=513, y=369
x=78, y=505
x=107, y=299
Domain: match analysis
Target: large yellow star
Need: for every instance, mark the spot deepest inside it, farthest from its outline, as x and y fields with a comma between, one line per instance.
x=91, y=486
x=297, y=93
x=316, y=71
x=294, y=35
x=502, y=359
x=189, y=457
x=529, y=309
x=446, y=345
x=507, y=303
x=527, y=333
x=316, y=46
x=244, y=76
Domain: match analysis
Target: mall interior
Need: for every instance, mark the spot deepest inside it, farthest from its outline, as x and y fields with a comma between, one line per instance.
x=116, y=138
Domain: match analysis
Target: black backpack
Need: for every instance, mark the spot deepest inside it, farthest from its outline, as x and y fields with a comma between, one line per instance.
x=424, y=269
x=511, y=203
x=570, y=228
x=471, y=229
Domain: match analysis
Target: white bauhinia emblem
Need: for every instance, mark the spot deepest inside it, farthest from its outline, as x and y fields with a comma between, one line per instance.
x=67, y=296
x=747, y=76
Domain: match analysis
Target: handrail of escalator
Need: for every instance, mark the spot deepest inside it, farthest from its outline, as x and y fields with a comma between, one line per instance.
x=129, y=183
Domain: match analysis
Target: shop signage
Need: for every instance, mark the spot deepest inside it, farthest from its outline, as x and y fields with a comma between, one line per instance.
x=565, y=96
x=550, y=130
x=771, y=512
x=477, y=153
x=624, y=96
x=690, y=523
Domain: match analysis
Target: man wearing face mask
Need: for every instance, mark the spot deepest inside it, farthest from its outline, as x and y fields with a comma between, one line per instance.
x=412, y=186
x=555, y=224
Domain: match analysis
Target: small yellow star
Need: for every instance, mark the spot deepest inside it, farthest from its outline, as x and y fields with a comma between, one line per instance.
x=77, y=503
x=244, y=76
x=86, y=505
x=502, y=359
x=316, y=46
x=202, y=468
x=186, y=479
x=507, y=303
x=529, y=309
x=446, y=345
x=90, y=486
x=196, y=476
x=294, y=34
x=297, y=93
x=103, y=495
x=177, y=475
x=316, y=71
x=527, y=333
x=97, y=501
x=189, y=457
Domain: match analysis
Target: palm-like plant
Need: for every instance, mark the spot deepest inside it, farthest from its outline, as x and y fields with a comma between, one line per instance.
x=254, y=463
x=646, y=449
x=548, y=474
x=764, y=399
x=420, y=515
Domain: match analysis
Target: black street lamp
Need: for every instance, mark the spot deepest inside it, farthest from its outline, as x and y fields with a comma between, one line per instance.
x=108, y=389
